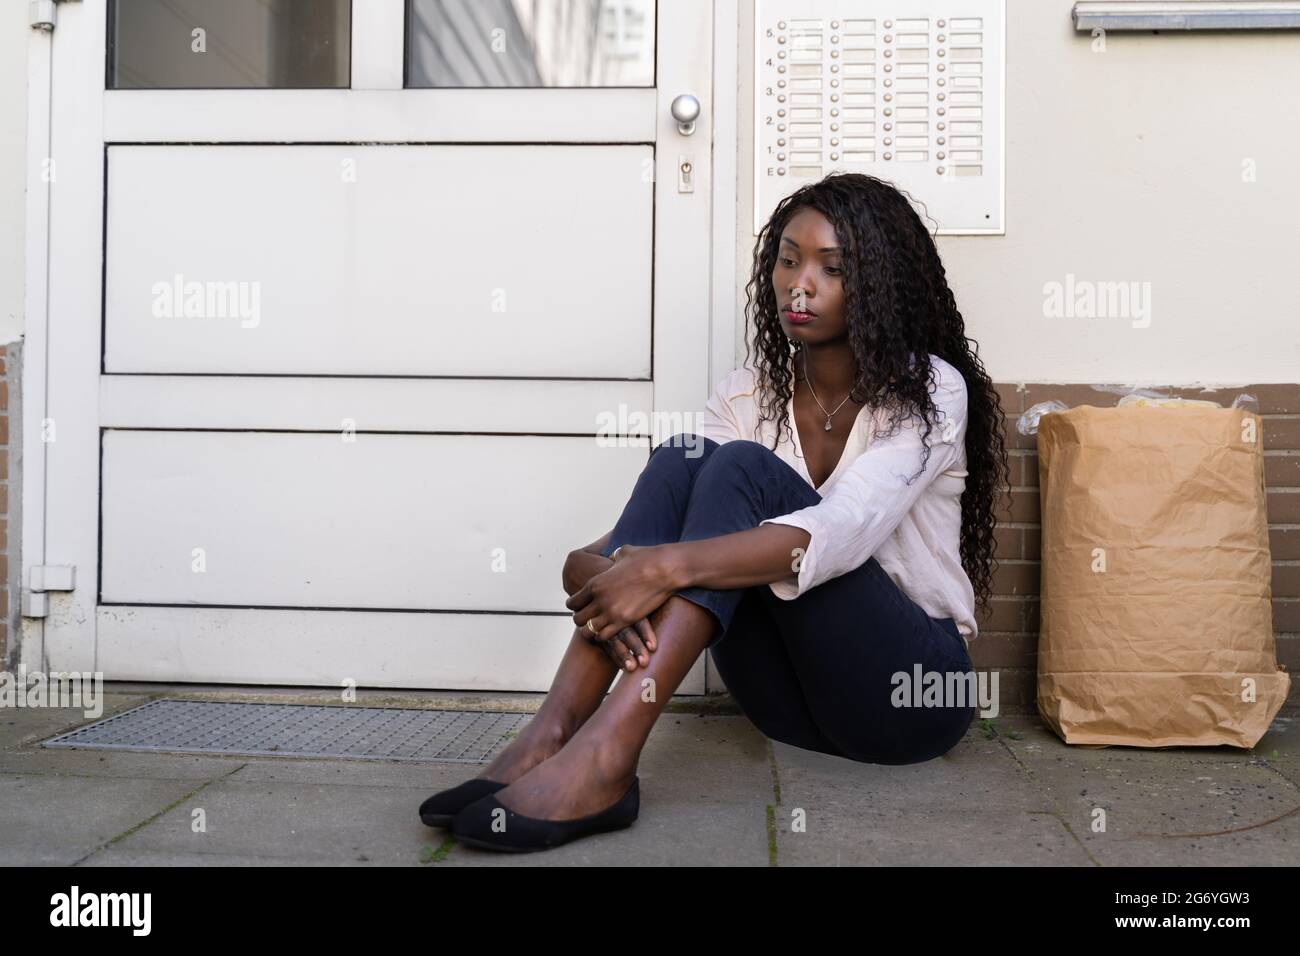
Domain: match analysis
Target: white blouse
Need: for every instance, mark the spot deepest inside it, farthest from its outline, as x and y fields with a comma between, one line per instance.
x=867, y=508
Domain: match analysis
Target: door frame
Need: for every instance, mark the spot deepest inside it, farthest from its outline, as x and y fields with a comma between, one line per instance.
x=65, y=391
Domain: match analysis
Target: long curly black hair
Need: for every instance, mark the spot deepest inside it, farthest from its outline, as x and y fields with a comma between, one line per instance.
x=897, y=305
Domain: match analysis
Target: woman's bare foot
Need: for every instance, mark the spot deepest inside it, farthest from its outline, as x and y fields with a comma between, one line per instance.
x=595, y=768
x=540, y=739
x=580, y=685
x=588, y=774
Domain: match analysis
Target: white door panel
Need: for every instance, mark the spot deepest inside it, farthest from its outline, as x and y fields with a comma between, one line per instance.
x=382, y=116
x=400, y=522
x=433, y=260
x=520, y=406
x=148, y=436
x=516, y=652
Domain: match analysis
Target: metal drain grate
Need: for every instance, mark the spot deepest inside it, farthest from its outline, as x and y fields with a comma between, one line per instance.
x=300, y=730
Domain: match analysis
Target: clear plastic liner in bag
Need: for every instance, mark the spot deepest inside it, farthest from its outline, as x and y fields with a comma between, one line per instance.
x=1027, y=423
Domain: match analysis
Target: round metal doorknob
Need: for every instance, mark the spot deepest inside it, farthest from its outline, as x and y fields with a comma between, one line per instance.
x=686, y=110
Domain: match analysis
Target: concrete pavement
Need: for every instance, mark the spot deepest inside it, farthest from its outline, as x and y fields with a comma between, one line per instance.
x=714, y=791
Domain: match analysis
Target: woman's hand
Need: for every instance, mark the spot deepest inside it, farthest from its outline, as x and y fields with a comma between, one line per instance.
x=630, y=646
x=637, y=584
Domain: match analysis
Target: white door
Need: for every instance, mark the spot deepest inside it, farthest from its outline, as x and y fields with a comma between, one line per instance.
x=339, y=293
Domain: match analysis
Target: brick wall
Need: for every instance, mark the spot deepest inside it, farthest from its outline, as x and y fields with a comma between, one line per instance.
x=1008, y=638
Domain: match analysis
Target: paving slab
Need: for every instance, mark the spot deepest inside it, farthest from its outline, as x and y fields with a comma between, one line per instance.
x=311, y=823
x=971, y=807
x=117, y=763
x=1170, y=806
x=57, y=820
x=113, y=857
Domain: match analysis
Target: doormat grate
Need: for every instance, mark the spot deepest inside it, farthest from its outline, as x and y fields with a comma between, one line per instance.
x=300, y=730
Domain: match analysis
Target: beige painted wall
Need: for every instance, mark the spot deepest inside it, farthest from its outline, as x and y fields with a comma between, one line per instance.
x=13, y=154
x=1127, y=166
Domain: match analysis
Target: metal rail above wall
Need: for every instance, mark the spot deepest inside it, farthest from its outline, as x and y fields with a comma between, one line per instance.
x=1187, y=15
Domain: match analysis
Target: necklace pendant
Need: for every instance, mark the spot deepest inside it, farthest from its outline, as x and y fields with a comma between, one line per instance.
x=828, y=425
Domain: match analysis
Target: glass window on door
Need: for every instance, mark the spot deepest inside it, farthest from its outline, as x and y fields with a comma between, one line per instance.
x=229, y=44
x=530, y=43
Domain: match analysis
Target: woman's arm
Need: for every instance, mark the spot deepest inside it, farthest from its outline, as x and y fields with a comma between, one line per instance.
x=646, y=576
x=761, y=555
x=599, y=544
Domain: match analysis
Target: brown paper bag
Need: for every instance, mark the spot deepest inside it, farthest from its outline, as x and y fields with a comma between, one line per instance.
x=1156, y=617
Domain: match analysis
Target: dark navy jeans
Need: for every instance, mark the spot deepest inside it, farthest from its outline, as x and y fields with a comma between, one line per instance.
x=817, y=672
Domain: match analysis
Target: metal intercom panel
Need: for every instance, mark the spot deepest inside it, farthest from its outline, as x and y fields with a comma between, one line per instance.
x=911, y=92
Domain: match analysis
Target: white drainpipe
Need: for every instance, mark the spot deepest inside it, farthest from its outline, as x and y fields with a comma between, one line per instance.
x=30, y=461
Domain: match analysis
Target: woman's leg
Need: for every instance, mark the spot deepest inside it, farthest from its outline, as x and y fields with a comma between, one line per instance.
x=596, y=766
x=739, y=484
x=754, y=663
x=863, y=652
x=653, y=515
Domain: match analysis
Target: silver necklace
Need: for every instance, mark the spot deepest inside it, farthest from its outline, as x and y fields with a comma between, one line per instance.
x=808, y=380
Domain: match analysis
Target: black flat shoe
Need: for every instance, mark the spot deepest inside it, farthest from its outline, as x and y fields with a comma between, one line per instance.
x=441, y=808
x=473, y=825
